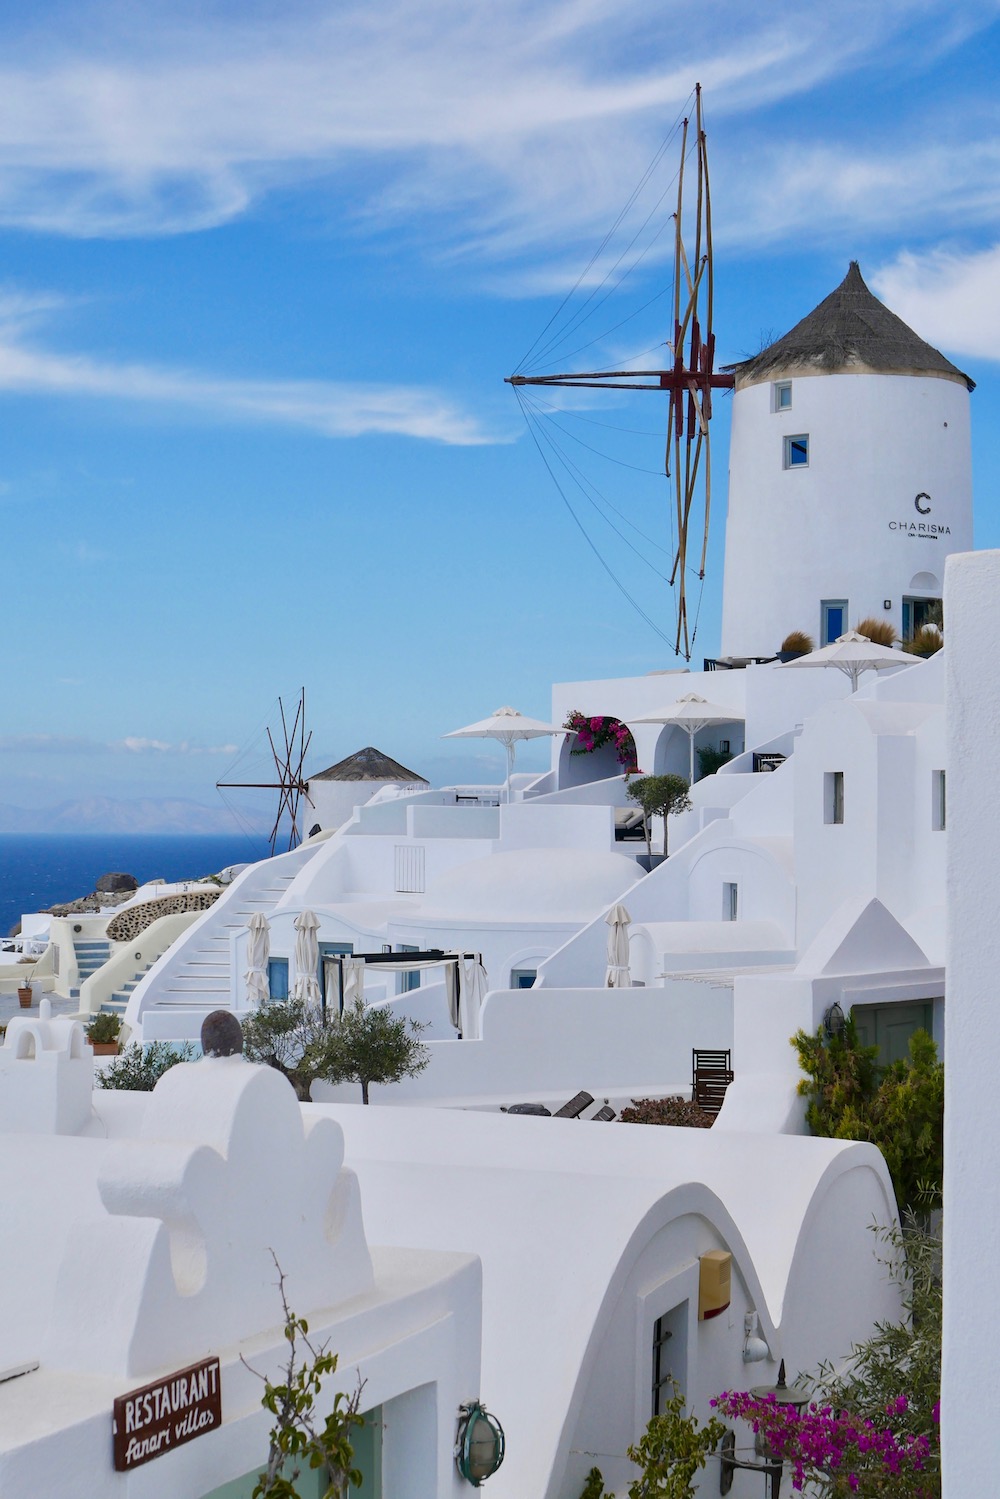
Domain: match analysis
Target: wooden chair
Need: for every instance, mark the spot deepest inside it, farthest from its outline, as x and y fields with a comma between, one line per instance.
x=575, y=1107
x=711, y=1074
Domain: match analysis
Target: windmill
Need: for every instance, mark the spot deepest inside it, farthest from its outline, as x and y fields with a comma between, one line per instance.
x=688, y=381
x=290, y=783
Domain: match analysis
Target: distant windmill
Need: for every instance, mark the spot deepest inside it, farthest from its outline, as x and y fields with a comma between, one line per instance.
x=690, y=379
x=290, y=782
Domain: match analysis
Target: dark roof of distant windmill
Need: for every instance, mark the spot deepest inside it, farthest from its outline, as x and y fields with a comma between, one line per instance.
x=368, y=764
x=850, y=329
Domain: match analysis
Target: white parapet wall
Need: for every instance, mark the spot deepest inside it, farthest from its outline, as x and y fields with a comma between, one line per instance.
x=971, y=1354
x=132, y=958
x=547, y=1044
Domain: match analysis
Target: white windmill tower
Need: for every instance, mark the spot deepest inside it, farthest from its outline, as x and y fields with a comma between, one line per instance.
x=850, y=477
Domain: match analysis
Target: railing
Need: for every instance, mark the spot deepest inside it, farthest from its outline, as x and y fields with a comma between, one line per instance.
x=767, y=762
x=735, y=663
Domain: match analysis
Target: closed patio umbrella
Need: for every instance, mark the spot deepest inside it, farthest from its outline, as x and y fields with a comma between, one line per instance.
x=852, y=654
x=258, y=951
x=472, y=987
x=692, y=713
x=507, y=726
x=618, y=974
x=306, y=986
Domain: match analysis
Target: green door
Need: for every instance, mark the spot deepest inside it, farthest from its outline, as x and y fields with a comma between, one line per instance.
x=889, y=1027
x=311, y=1482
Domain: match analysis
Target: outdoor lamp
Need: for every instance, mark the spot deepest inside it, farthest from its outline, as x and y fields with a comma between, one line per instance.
x=834, y=1023
x=479, y=1446
x=771, y=1466
x=754, y=1347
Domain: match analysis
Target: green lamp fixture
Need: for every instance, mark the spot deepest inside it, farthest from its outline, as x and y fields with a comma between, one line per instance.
x=479, y=1447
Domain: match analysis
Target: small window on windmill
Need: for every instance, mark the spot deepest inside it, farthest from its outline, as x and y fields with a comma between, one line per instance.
x=782, y=395
x=797, y=451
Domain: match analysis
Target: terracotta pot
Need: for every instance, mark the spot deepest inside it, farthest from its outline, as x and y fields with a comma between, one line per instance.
x=105, y=1048
x=26, y=997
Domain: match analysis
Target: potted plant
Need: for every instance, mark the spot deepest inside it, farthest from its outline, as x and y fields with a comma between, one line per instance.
x=796, y=644
x=103, y=1032
x=25, y=993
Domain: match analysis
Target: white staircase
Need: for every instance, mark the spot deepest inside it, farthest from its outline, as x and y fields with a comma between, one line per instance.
x=195, y=973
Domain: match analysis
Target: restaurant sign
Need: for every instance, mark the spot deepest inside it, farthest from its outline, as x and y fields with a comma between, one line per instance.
x=166, y=1414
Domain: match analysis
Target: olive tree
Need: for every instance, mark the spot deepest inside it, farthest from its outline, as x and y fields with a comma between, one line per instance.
x=366, y=1044
x=658, y=796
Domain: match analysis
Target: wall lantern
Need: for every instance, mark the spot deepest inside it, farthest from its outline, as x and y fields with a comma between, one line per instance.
x=754, y=1347
x=834, y=1023
x=479, y=1446
x=887, y=603
x=772, y=1465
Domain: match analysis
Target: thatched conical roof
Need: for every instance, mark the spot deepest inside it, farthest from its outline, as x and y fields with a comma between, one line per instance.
x=368, y=764
x=849, y=330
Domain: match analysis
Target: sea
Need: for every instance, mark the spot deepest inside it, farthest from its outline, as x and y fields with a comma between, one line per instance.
x=41, y=870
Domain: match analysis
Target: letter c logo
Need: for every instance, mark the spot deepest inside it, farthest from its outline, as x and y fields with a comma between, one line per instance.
x=922, y=509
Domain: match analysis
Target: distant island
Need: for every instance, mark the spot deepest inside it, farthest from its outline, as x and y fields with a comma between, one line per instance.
x=103, y=814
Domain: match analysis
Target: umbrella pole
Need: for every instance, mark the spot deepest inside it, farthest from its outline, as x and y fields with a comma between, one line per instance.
x=691, y=734
x=510, y=766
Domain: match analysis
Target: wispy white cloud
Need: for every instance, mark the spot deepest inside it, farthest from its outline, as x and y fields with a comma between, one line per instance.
x=952, y=299
x=331, y=408
x=497, y=128
x=139, y=746
x=133, y=744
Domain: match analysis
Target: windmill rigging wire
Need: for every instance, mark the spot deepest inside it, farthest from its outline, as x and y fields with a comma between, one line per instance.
x=586, y=536
x=600, y=337
x=636, y=468
x=607, y=238
x=577, y=320
x=578, y=416
x=583, y=483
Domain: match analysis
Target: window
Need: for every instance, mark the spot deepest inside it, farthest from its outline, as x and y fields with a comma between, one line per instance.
x=523, y=978
x=662, y=1373
x=277, y=978
x=833, y=796
x=730, y=901
x=920, y=612
x=407, y=981
x=329, y=978
x=797, y=451
x=938, y=804
x=782, y=395
x=834, y=620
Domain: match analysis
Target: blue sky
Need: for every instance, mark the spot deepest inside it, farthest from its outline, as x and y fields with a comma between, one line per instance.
x=264, y=268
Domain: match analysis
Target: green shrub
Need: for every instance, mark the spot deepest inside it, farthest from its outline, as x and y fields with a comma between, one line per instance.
x=711, y=759
x=104, y=1028
x=139, y=1068
x=899, y=1108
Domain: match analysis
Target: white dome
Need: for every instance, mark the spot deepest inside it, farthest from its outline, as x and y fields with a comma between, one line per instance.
x=530, y=884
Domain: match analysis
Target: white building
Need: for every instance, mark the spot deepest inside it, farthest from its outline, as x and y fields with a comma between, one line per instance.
x=850, y=477
x=594, y=1266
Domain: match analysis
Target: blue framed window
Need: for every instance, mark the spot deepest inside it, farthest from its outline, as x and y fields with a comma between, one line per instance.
x=796, y=451
x=331, y=950
x=782, y=395
x=523, y=978
x=833, y=620
x=277, y=978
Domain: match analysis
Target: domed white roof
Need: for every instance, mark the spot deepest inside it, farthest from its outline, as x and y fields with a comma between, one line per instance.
x=530, y=884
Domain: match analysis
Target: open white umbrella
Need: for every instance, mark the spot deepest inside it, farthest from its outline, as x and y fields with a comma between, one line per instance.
x=692, y=713
x=258, y=952
x=508, y=726
x=306, y=986
x=852, y=654
x=618, y=975
x=472, y=987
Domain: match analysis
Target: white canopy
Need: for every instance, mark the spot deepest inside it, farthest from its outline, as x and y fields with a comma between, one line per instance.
x=306, y=986
x=692, y=713
x=852, y=654
x=618, y=975
x=258, y=952
x=507, y=725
